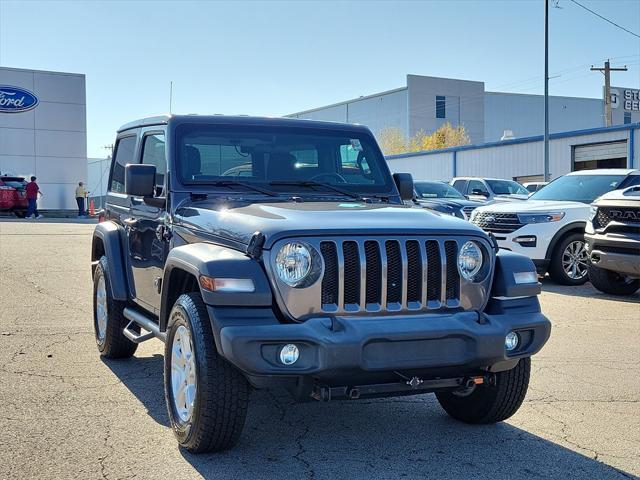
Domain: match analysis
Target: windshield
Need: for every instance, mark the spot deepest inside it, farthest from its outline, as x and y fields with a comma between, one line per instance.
x=507, y=187
x=16, y=182
x=436, y=190
x=578, y=188
x=281, y=159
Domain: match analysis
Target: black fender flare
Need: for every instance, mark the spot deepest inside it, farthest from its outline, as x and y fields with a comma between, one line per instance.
x=110, y=235
x=214, y=261
x=578, y=226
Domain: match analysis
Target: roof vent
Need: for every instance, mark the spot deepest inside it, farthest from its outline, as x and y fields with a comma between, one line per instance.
x=507, y=135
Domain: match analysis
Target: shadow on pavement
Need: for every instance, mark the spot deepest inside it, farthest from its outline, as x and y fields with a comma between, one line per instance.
x=406, y=437
x=587, y=291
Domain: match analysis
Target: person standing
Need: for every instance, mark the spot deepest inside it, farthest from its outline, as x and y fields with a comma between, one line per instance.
x=33, y=190
x=81, y=194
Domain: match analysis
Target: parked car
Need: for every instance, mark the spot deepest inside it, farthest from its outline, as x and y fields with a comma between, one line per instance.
x=612, y=239
x=304, y=275
x=493, y=189
x=443, y=198
x=533, y=187
x=13, y=196
x=549, y=227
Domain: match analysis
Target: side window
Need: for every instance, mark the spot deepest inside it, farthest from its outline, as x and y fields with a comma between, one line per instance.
x=477, y=185
x=125, y=149
x=633, y=181
x=459, y=185
x=153, y=153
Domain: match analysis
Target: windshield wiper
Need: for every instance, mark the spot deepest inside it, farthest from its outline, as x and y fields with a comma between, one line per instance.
x=231, y=183
x=313, y=183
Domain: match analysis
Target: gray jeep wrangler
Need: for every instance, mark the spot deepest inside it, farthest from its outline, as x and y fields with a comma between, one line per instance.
x=278, y=252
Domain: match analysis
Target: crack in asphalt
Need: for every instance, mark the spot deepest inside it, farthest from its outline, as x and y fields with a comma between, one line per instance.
x=595, y=454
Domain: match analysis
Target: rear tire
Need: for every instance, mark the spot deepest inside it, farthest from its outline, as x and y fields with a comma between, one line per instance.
x=611, y=282
x=108, y=320
x=490, y=403
x=206, y=396
x=570, y=247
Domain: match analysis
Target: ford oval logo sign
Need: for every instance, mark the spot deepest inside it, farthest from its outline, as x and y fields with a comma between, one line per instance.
x=16, y=99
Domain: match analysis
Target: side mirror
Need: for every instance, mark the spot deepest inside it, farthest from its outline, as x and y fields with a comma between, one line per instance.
x=139, y=180
x=404, y=182
x=477, y=191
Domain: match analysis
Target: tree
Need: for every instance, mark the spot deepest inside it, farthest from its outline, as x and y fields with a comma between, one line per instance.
x=393, y=141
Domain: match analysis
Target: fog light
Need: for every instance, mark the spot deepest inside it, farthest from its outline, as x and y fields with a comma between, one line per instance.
x=289, y=354
x=510, y=341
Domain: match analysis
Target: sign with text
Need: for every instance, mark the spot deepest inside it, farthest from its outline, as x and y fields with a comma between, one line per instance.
x=16, y=99
x=626, y=98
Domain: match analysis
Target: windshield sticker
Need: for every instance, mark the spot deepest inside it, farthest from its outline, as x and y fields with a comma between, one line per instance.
x=356, y=145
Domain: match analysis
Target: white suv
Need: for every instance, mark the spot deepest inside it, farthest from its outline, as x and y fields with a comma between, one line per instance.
x=549, y=226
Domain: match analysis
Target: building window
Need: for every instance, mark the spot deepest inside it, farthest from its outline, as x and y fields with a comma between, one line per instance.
x=627, y=117
x=440, y=107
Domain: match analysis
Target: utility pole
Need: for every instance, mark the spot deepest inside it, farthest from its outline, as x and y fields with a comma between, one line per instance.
x=606, y=70
x=546, y=90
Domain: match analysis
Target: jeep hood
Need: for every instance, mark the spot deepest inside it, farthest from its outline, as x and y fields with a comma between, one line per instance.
x=237, y=222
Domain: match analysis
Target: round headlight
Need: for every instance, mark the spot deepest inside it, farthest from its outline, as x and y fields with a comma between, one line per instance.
x=469, y=260
x=293, y=263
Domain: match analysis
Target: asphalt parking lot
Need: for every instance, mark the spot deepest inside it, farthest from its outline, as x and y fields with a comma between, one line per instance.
x=65, y=413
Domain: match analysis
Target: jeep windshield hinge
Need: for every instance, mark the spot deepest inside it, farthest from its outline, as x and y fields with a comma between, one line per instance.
x=254, y=249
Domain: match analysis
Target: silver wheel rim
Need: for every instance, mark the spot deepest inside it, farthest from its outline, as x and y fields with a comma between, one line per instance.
x=101, y=309
x=183, y=374
x=574, y=260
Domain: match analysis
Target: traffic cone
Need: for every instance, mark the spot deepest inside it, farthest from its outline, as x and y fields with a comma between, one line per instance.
x=92, y=208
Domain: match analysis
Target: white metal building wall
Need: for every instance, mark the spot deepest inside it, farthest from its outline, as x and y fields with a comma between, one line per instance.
x=50, y=140
x=438, y=166
x=517, y=159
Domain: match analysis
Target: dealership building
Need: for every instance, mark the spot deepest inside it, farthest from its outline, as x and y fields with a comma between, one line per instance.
x=43, y=131
x=426, y=103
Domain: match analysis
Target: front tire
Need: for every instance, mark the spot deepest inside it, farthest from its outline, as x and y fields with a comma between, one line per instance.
x=611, y=282
x=108, y=319
x=206, y=396
x=569, y=261
x=490, y=403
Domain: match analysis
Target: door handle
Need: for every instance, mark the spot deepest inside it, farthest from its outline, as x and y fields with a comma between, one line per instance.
x=130, y=222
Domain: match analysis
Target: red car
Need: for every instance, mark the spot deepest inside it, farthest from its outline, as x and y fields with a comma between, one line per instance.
x=13, y=196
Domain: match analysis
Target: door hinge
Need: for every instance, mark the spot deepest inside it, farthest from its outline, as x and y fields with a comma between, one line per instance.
x=163, y=233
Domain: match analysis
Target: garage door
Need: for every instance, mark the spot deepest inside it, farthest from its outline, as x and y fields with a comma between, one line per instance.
x=600, y=155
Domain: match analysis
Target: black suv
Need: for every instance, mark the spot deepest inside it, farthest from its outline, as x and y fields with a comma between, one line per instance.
x=307, y=271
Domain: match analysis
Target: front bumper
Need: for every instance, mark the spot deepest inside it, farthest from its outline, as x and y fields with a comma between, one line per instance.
x=617, y=252
x=333, y=347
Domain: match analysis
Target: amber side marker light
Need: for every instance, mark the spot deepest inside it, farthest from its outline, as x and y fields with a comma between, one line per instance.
x=227, y=285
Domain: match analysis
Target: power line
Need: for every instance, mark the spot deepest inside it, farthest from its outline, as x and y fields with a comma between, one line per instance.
x=606, y=19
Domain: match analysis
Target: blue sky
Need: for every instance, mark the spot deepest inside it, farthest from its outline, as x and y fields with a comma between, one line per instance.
x=274, y=58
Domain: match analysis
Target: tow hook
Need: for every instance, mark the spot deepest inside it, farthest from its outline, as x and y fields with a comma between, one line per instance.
x=415, y=382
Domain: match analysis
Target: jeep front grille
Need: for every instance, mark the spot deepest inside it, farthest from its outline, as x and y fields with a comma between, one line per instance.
x=389, y=275
x=497, y=222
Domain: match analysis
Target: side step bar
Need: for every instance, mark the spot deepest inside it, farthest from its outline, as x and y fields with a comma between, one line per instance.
x=152, y=328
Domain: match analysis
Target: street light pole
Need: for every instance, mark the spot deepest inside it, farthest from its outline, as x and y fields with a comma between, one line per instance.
x=546, y=90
